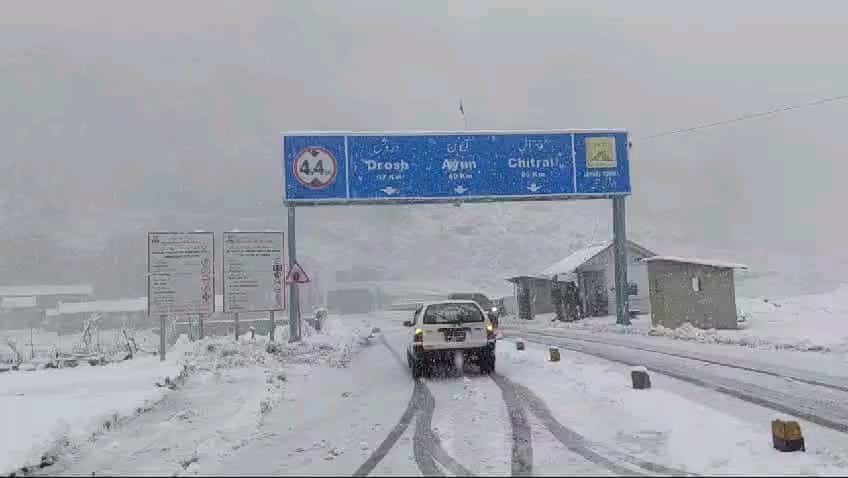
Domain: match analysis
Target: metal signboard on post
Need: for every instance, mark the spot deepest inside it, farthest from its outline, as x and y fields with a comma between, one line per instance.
x=180, y=275
x=346, y=168
x=322, y=168
x=253, y=272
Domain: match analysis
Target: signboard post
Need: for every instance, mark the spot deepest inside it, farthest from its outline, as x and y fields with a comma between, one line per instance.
x=433, y=167
x=162, y=321
x=294, y=307
x=180, y=269
x=271, y=330
x=620, y=251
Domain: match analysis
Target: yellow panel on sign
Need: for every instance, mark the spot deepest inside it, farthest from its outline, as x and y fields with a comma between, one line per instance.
x=600, y=153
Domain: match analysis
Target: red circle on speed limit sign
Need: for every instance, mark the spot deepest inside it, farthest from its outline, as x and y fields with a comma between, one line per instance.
x=315, y=167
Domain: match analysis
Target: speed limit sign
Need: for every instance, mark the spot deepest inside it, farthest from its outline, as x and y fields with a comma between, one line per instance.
x=315, y=167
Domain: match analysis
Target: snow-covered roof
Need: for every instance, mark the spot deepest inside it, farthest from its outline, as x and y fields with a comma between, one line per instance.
x=37, y=290
x=570, y=263
x=566, y=268
x=17, y=302
x=695, y=260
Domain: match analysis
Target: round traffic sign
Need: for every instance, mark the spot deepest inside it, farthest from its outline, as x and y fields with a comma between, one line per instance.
x=315, y=167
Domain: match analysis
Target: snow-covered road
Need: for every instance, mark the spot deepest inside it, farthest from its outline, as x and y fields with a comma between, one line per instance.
x=814, y=396
x=364, y=414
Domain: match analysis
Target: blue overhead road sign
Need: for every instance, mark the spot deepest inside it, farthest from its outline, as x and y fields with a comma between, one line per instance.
x=341, y=168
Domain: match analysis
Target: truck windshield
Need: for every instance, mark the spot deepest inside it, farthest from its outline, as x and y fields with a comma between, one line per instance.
x=448, y=313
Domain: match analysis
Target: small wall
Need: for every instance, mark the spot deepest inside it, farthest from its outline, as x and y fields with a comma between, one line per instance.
x=637, y=273
x=674, y=301
x=542, y=288
x=540, y=297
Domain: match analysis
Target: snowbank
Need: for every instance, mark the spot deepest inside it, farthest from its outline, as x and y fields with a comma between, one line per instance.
x=45, y=410
x=341, y=337
x=43, y=344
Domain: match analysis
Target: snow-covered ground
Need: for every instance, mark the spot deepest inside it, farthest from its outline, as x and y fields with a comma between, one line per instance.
x=45, y=410
x=343, y=402
x=219, y=408
x=359, y=418
x=803, y=323
x=672, y=424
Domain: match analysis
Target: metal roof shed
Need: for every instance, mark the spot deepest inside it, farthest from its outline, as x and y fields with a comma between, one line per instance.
x=592, y=268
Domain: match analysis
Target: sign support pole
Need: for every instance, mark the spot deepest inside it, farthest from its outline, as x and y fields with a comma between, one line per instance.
x=620, y=249
x=271, y=329
x=294, y=297
x=161, y=338
x=200, y=319
x=237, y=325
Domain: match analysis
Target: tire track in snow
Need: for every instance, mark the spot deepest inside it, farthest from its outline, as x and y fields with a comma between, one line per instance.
x=576, y=442
x=425, y=446
x=423, y=442
x=522, y=443
x=389, y=442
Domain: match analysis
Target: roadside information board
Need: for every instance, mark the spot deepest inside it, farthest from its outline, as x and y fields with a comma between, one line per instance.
x=180, y=273
x=253, y=271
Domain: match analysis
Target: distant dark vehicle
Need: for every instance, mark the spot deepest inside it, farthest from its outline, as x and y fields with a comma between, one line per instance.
x=483, y=301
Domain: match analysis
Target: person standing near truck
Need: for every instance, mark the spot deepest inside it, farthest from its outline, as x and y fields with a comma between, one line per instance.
x=571, y=297
x=557, y=299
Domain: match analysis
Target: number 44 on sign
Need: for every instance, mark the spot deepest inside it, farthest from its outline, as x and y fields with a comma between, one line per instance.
x=297, y=275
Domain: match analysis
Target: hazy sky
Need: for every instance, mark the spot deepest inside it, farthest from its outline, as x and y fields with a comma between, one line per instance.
x=109, y=105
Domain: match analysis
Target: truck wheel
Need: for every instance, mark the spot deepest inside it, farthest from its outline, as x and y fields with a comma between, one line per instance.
x=487, y=361
x=419, y=368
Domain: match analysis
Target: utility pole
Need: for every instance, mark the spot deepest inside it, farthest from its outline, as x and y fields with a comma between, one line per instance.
x=620, y=249
x=294, y=296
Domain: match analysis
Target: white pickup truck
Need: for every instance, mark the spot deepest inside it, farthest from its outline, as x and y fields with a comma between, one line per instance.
x=442, y=329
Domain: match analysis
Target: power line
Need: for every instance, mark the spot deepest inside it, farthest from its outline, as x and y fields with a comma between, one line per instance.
x=748, y=116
